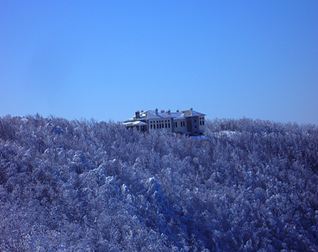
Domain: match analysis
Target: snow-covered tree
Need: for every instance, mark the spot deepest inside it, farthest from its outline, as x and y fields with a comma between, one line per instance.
x=248, y=185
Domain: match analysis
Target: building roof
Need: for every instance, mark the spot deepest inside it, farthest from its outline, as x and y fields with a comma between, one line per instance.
x=156, y=114
x=191, y=112
x=150, y=114
x=134, y=123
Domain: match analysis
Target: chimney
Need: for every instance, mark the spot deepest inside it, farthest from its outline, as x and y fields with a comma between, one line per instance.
x=156, y=111
x=137, y=114
x=169, y=112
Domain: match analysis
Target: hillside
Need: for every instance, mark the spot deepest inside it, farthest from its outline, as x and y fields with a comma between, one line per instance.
x=95, y=186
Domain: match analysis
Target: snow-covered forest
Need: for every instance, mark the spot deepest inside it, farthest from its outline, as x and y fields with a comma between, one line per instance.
x=95, y=186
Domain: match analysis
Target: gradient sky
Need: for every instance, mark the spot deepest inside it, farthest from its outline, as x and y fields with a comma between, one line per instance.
x=106, y=59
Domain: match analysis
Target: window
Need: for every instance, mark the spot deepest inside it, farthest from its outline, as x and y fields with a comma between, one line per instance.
x=176, y=124
x=201, y=120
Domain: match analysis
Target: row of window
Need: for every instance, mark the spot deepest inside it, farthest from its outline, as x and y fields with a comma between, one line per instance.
x=160, y=124
x=159, y=121
x=166, y=124
x=181, y=124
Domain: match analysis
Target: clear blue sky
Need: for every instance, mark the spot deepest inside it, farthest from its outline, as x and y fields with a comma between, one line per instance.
x=106, y=59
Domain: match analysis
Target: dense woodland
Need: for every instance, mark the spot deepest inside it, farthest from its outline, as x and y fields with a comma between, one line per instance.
x=95, y=186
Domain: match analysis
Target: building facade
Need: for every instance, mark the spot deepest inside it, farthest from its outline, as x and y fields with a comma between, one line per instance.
x=188, y=122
